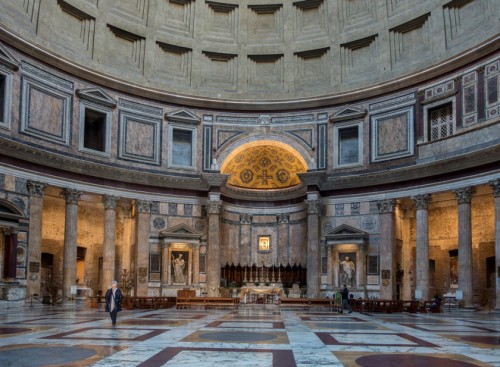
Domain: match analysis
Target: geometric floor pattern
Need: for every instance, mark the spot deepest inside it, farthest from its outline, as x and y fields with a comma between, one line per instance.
x=249, y=337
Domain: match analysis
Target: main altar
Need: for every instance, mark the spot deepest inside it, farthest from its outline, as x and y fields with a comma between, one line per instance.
x=260, y=294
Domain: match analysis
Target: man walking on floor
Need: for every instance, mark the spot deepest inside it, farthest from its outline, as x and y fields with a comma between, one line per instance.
x=345, y=300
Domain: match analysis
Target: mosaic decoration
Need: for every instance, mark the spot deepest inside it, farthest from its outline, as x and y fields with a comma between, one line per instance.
x=264, y=167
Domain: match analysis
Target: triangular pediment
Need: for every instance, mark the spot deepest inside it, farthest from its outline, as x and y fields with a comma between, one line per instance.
x=7, y=59
x=183, y=116
x=346, y=234
x=348, y=113
x=96, y=95
x=180, y=231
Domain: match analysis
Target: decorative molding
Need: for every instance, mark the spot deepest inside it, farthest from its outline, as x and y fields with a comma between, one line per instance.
x=348, y=113
x=386, y=206
x=422, y=201
x=36, y=189
x=183, y=116
x=98, y=96
x=464, y=194
x=7, y=59
x=71, y=195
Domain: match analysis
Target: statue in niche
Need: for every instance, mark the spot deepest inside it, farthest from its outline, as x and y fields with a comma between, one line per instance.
x=347, y=271
x=179, y=266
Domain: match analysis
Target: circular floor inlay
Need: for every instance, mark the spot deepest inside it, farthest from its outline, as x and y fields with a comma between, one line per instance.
x=409, y=360
x=39, y=356
x=235, y=336
x=13, y=330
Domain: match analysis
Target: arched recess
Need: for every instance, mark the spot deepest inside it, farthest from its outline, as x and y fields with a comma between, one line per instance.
x=264, y=164
x=10, y=216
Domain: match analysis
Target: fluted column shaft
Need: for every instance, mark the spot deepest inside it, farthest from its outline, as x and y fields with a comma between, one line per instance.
x=37, y=192
x=313, y=253
x=143, y=210
x=108, y=251
x=422, y=261
x=496, y=193
x=70, y=241
x=387, y=248
x=464, y=197
x=245, y=239
x=282, y=254
x=214, y=206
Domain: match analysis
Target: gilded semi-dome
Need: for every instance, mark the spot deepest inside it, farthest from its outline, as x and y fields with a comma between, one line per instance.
x=264, y=166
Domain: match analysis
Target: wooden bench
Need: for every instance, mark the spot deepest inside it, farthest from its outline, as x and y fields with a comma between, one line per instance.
x=207, y=302
x=154, y=303
x=308, y=303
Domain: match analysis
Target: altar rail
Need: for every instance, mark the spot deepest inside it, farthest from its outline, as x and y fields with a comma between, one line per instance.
x=207, y=302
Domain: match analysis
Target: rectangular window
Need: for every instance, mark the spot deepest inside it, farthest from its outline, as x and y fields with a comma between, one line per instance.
x=182, y=148
x=348, y=145
x=441, y=122
x=3, y=99
x=94, y=134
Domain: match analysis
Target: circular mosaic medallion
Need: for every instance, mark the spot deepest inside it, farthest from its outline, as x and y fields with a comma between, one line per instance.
x=282, y=176
x=246, y=176
x=264, y=161
x=159, y=223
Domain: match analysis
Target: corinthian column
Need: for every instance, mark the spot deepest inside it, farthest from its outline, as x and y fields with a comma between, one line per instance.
x=422, y=203
x=108, y=251
x=245, y=239
x=37, y=192
x=70, y=240
x=214, y=205
x=387, y=248
x=464, y=197
x=496, y=193
x=283, y=238
x=313, y=254
x=143, y=219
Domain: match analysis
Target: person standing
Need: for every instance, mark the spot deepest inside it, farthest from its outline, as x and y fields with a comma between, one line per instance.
x=345, y=300
x=113, y=301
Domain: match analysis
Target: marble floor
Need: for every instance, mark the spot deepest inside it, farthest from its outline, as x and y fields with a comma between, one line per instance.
x=251, y=336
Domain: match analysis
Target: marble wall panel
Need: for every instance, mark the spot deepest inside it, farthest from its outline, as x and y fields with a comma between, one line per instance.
x=392, y=134
x=46, y=105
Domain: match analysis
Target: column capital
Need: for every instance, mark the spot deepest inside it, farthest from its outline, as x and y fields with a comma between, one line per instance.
x=214, y=206
x=386, y=206
x=245, y=218
x=143, y=206
x=283, y=218
x=109, y=201
x=464, y=194
x=71, y=195
x=422, y=200
x=495, y=185
x=313, y=206
x=36, y=188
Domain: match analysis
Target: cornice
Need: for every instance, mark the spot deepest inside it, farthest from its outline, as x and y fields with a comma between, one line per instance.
x=44, y=55
x=85, y=168
x=459, y=163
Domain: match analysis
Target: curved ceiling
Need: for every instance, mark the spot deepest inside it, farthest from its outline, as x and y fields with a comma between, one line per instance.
x=264, y=165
